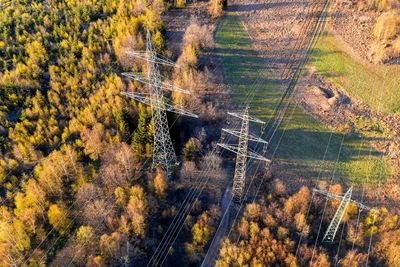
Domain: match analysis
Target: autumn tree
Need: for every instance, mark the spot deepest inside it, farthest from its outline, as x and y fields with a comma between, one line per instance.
x=215, y=8
x=160, y=183
x=59, y=218
x=137, y=210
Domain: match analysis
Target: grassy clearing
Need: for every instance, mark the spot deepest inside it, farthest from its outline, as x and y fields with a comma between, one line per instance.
x=367, y=82
x=302, y=140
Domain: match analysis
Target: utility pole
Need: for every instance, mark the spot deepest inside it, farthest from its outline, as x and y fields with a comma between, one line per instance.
x=242, y=151
x=337, y=218
x=163, y=149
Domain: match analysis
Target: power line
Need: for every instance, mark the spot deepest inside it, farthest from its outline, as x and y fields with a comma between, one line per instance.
x=242, y=152
x=163, y=150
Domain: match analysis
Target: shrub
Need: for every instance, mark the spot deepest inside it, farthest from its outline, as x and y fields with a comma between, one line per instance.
x=199, y=37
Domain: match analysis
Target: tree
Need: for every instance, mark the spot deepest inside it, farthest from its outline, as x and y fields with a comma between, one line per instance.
x=202, y=230
x=137, y=210
x=143, y=134
x=14, y=239
x=321, y=259
x=160, y=183
x=97, y=212
x=117, y=167
x=215, y=8
x=113, y=247
x=56, y=170
x=59, y=218
x=252, y=211
x=353, y=259
x=30, y=205
x=301, y=224
x=93, y=141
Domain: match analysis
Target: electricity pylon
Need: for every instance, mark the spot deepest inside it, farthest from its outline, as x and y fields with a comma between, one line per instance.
x=337, y=218
x=163, y=149
x=242, y=151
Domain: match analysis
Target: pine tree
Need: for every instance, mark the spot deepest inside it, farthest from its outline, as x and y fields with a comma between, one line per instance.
x=143, y=135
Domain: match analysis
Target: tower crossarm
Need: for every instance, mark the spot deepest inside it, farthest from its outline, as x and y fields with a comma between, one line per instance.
x=340, y=197
x=250, y=154
x=245, y=116
x=165, y=86
x=251, y=136
x=337, y=218
x=159, y=104
x=157, y=59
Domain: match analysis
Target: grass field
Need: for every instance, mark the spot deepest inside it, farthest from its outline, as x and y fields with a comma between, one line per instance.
x=301, y=141
x=376, y=85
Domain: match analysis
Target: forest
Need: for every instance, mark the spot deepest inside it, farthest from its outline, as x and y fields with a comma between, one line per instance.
x=76, y=181
x=76, y=186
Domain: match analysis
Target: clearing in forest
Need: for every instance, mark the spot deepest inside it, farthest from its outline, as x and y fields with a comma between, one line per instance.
x=301, y=141
x=376, y=85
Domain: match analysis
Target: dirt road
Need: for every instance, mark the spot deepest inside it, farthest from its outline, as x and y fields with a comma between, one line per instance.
x=213, y=250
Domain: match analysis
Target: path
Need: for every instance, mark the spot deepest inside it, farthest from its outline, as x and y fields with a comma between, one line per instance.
x=213, y=250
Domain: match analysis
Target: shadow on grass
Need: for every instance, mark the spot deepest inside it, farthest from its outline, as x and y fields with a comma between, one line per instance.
x=302, y=144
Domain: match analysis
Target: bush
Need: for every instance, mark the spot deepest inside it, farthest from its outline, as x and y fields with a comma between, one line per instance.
x=199, y=37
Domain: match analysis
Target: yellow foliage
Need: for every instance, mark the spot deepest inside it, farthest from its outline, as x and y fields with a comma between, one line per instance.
x=180, y=3
x=160, y=183
x=120, y=196
x=202, y=230
x=85, y=235
x=252, y=211
x=137, y=210
x=58, y=218
x=215, y=8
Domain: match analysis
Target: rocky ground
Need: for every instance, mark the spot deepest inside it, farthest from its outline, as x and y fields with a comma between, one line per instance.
x=353, y=26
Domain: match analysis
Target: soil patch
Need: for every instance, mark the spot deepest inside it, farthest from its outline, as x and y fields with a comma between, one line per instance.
x=354, y=27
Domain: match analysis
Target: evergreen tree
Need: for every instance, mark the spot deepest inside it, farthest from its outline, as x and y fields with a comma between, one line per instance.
x=143, y=135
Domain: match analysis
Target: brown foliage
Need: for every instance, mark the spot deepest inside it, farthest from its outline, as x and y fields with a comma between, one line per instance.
x=198, y=37
x=354, y=259
x=118, y=166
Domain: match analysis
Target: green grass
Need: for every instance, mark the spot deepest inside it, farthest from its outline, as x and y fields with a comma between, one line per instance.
x=376, y=85
x=302, y=140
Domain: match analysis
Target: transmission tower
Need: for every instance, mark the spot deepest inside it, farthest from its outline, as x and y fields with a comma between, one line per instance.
x=163, y=149
x=242, y=151
x=337, y=218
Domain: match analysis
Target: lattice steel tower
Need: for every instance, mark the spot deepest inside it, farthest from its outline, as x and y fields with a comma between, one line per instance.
x=330, y=233
x=242, y=151
x=163, y=149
